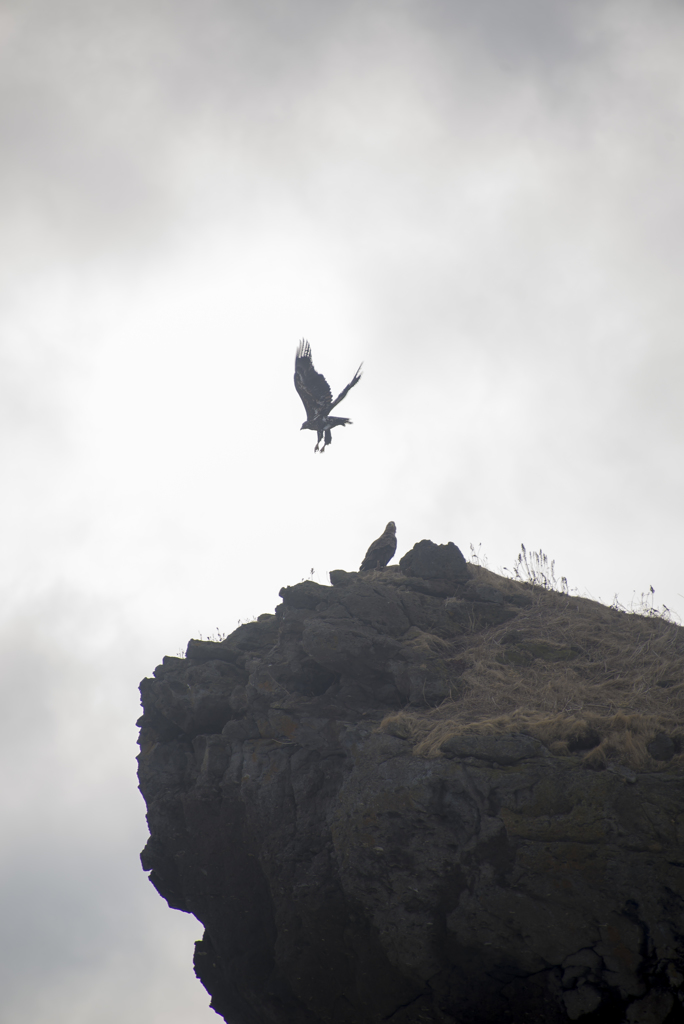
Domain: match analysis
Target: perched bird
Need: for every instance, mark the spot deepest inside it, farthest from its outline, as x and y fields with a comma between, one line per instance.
x=381, y=550
x=315, y=393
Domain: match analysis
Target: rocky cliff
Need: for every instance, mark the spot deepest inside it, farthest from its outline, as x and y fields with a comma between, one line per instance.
x=425, y=794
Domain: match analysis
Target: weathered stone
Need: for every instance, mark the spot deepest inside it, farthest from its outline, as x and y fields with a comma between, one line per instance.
x=662, y=748
x=376, y=606
x=435, y=561
x=208, y=650
x=429, y=680
x=585, y=958
x=427, y=612
x=501, y=749
x=345, y=645
x=652, y=1009
x=341, y=578
x=581, y=1001
x=306, y=595
x=341, y=878
x=196, y=699
x=250, y=636
x=240, y=729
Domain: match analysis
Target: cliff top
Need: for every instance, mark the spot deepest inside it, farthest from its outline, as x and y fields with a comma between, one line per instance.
x=436, y=648
x=377, y=802
x=575, y=674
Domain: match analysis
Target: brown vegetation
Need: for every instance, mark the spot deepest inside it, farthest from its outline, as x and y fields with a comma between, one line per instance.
x=585, y=679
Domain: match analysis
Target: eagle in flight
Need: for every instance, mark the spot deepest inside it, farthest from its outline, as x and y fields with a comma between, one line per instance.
x=315, y=393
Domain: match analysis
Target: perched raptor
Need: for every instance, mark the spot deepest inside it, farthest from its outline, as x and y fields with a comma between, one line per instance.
x=315, y=393
x=381, y=550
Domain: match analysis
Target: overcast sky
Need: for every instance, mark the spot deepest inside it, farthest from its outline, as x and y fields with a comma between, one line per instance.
x=483, y=202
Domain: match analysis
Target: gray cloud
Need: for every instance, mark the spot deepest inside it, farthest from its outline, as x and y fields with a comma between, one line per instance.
x=482, y=201
x=82, y=939
x=102, y=103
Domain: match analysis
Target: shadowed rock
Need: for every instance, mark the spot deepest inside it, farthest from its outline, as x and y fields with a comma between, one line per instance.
x=342, y=878
x=500, y=749
x=435, y=562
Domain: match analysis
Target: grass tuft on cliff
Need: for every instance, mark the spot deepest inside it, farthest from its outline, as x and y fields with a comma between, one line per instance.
x=601, y=683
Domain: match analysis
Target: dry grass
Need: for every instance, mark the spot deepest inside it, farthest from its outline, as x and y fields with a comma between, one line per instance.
x=574, y=673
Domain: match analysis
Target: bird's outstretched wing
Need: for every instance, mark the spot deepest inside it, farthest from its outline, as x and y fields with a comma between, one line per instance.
x=350, y=385
x=312, y=387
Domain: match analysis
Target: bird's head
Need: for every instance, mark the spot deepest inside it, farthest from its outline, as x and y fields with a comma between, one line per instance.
x=390, y=528
x=304, y=425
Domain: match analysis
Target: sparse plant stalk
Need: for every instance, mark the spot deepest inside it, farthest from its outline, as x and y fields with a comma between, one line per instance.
x=534, y=567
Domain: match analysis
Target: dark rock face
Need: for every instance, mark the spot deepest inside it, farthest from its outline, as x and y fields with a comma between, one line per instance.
x=342, y=879
x=435, y=562
x=497, y=749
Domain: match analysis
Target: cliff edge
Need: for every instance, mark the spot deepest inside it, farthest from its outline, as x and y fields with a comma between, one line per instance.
x=425, y=794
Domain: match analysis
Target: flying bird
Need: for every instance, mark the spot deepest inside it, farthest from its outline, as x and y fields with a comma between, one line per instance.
x=381, y=550
x=315, y=393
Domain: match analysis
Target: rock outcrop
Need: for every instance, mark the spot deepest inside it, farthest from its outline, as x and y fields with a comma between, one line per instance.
x=343, y=877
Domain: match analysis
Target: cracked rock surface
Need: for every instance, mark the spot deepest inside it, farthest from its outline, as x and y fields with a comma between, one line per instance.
x=342, y=879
